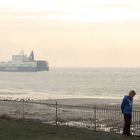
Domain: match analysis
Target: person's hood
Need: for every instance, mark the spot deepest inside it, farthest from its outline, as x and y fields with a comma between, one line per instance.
x=128, y=97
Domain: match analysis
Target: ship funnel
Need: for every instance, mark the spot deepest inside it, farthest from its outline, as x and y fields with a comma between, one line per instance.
x=31, y=57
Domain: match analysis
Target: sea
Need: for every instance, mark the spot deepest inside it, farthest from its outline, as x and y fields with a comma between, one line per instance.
x=61, y=83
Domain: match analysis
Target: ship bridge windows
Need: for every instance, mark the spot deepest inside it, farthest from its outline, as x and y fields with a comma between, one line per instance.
x=19, y=58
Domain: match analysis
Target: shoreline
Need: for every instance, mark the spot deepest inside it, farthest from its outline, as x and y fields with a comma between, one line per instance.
x=85, y=102
x=91, y=102
x=75, y=101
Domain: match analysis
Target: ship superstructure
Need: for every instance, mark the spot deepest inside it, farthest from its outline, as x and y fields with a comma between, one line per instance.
x=23, y=63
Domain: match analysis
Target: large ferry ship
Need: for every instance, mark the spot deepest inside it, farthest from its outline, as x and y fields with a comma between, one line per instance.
x=23, y=63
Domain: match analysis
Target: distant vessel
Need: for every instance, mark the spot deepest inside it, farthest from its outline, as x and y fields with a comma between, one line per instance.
x=22, y=63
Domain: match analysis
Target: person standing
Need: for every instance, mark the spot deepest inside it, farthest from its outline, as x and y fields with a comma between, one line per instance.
x=127, y=108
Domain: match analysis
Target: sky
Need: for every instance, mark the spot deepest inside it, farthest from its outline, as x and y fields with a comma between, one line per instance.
x=72, y=33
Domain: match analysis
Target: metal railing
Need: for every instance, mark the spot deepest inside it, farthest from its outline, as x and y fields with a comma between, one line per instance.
x=97, y=118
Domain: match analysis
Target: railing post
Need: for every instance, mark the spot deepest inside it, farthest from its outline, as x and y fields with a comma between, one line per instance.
x=95, y=118
x=56, y=113
x=23, y=110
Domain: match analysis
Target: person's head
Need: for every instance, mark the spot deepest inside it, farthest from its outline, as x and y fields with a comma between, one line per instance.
x=132, y=93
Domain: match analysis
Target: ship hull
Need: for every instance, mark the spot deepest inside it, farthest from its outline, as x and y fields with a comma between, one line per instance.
x=22, y=69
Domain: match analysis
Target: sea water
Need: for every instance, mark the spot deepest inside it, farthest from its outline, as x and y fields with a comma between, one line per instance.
x=105, y=83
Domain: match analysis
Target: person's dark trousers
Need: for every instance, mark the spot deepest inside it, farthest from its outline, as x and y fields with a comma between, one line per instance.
x=127, y=124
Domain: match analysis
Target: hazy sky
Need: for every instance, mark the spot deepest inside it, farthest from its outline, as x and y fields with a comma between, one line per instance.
x=72, y=33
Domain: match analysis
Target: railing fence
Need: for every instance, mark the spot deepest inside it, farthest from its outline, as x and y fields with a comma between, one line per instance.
x=97, y=118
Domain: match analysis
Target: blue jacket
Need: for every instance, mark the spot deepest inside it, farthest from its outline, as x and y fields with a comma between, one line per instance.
x=127, y=105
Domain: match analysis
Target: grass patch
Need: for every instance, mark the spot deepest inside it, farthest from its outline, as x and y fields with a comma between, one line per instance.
x=11, y=129
x=4, y=116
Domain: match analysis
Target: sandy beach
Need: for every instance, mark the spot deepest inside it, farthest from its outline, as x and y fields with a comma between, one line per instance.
x=88, y=101
x=92, y=102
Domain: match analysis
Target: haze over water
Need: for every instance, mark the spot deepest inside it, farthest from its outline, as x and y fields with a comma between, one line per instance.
x=72, y=33
x=105, y=83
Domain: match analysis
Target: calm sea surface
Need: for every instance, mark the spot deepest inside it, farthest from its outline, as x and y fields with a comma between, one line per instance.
x=110, y=83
